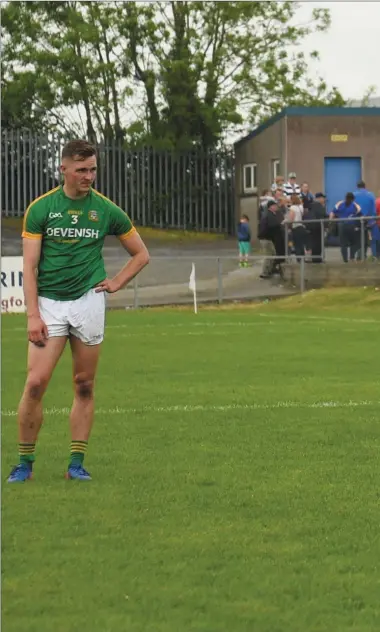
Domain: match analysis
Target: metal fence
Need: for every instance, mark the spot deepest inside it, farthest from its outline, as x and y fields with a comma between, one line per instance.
x=191, y=190
x=219, y=279
x=165, y=281
x=354, y=236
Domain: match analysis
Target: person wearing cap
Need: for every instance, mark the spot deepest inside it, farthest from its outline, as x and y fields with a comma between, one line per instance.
x=291, y=187
x=272, y=230
x=316, y=228
x=263, y=202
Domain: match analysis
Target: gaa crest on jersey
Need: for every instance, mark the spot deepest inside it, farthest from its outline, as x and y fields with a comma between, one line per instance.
x=93, y=216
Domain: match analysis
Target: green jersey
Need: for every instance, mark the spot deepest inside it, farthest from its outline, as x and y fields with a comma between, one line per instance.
x=72, y=233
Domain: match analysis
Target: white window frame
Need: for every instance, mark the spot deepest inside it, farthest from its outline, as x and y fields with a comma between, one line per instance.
x=253, y=169
x=275, y=169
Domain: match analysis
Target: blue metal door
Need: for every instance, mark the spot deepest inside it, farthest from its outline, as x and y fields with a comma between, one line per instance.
x=341, y=176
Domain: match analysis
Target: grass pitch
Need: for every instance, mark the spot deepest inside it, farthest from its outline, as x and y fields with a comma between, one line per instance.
x=236, y=466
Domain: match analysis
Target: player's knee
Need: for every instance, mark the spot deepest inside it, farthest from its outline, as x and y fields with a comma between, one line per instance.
x=84, y=386
x=36, y=386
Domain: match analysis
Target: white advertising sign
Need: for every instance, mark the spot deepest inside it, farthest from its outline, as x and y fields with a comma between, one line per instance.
x=12, y=293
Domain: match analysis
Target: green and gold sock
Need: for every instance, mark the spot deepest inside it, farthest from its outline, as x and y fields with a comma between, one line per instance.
x=26, y=452
x=78, y=450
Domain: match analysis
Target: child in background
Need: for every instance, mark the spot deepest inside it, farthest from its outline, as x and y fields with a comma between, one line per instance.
x=244, y=238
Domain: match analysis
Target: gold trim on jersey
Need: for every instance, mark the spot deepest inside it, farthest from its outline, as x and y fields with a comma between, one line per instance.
x=31, y=235
x=24, y=232
x=125, y=236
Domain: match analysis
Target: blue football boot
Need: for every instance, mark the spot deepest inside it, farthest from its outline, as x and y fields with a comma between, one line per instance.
x=21, y=473
x=78, y=473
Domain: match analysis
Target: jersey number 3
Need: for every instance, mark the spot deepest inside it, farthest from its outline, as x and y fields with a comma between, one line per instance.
x=74, y=219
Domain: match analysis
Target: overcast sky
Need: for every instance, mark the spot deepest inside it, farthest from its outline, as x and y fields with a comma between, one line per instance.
x=350, y=50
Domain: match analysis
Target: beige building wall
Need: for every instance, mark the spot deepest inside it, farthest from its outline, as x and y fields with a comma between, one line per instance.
x=309, y=142
x=263, y=149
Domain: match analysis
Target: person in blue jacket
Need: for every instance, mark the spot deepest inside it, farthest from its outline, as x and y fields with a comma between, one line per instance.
x=349, y=229
x=367, y=203
x=244, y=239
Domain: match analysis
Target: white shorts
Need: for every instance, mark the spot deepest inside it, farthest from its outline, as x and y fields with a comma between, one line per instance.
x=83, y=318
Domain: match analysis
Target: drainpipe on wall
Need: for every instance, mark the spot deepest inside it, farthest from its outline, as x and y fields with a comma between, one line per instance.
x=286, y=148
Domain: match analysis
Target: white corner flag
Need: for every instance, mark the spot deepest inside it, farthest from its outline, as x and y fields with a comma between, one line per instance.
x=193, y=288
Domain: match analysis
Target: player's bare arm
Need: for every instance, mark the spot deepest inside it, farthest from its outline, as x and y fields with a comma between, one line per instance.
x=37, y=330
x=139, y=259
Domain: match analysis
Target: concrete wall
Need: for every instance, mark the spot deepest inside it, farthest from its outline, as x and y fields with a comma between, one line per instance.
x=309, y=143
x=262, y=149
x=337, y=274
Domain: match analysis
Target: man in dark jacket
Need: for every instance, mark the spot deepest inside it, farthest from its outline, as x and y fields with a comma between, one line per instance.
x=307, y=198
x=271, y=228
x=316, y=229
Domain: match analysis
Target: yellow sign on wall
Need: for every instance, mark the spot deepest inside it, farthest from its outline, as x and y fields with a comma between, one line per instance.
x=339, y=138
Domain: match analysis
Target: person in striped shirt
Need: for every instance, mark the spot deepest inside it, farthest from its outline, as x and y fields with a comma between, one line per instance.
x=291, y=187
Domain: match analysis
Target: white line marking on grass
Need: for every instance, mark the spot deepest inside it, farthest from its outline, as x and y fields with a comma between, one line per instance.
x=304, y=320
x=209, y=329
x=189, y=408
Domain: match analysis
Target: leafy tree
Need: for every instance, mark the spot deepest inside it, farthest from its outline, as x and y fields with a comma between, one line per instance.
x=68, y=48
x=170, y=74
x=201, y=63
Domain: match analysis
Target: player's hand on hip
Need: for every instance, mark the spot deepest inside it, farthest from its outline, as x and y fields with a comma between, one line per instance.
x=107, y=286
x=37, y=331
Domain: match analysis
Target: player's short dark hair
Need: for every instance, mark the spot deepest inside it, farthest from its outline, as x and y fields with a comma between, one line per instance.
x=82, y=149
x=361, y=184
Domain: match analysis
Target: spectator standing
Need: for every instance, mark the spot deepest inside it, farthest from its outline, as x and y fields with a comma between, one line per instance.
x=316, y=228
x=307, y=198
x=283, y=204
x=295, y=217
x=244, y=238
x=278, y=183
x=291, y=187
x=378, y=206
x=348, y=230
x=263, y=202
x=271, y=229
x=266, y=245
x=267, y=197
x=367, y=202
